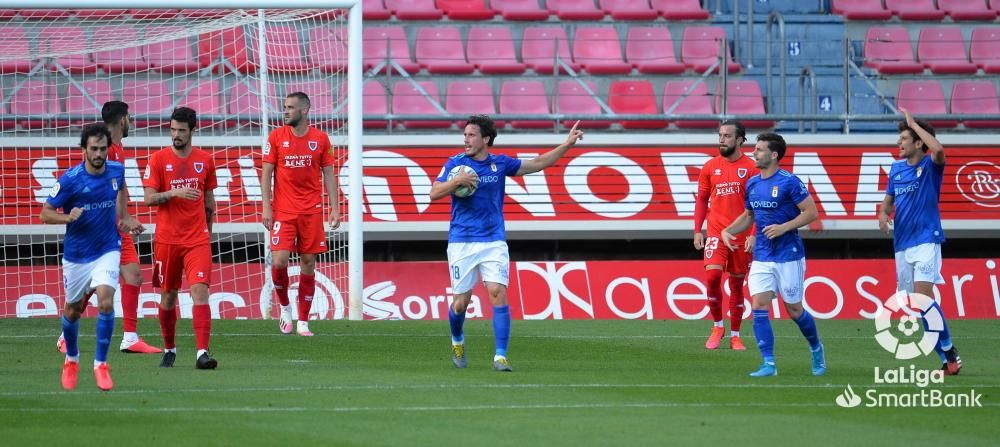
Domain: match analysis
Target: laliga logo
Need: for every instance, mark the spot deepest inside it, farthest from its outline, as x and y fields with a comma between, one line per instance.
x=979, y=183
x=327, y=293
x=908, y=325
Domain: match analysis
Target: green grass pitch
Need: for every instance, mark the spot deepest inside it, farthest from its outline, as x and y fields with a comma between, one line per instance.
x=633, y=383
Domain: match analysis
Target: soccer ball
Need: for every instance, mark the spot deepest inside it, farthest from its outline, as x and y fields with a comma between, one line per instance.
x=464, y=191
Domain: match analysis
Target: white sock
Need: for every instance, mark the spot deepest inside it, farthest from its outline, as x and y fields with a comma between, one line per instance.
x=73, y=358
x=174, y=350
x=718, y=324
x=458, y=342
x=97, y=364
x=734, y=333
x=130, y=337
x=200, y=352
x=498, y=357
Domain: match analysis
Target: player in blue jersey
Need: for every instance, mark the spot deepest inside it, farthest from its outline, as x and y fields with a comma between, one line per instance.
x=914, y=191
x=93, y=198
x=477, y=245
x=779, y=203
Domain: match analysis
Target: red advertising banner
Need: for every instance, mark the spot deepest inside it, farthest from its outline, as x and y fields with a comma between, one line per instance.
x=660, y=290
x=588, y=184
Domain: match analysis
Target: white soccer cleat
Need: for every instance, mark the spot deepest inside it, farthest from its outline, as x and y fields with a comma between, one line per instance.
x=285, y=322
x=302, y=328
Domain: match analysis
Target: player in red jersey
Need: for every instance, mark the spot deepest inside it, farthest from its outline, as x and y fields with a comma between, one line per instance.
x=116, y=118
x=723, y=180
x=179, y=181
x=296, y=156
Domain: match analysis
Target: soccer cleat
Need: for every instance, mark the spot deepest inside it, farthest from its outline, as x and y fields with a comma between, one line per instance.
x=70, y=370
x=102, y=374
x=285, y=321
x=61, y=344
x=168, y=359
x=765, y=370
x=302, y=328
x=139, y=347
x=736, y=344
x=502, y=364
x=819, y=362
x=954, y=363
x=206, y=362
x=715, y=338
x=458, y=356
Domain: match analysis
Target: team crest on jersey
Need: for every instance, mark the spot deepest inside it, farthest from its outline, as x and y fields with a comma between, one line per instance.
x=199, y=166
x=313, y=145
x=274, y=240
x=493, y=167
x=114, y=184
x=920, y=170
x=55, y=190
x=742, y=172
x=774, y=191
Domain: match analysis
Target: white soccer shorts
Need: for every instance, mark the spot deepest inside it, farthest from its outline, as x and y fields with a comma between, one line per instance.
x=79, y=279
x=490, y=260
x=783, y=278
x=920, y=263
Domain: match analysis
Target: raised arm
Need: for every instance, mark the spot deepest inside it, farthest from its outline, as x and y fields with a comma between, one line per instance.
x=934, y=146
x=547, y=159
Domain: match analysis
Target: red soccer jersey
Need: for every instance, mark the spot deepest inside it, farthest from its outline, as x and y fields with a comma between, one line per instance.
x=181, y=221
x=298, y=166
x=116, y=153
x=724, y=183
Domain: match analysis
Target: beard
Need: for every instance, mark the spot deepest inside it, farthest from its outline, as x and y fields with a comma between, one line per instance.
x=293, y=121
x=727, y=151
x=96, y=163
x=179, y=144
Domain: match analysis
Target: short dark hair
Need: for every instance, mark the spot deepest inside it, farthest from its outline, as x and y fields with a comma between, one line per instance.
x=114, y=111
x=94, y=130
x=487, y=128
x=740, y=130
x=923, y=124
x=185, y=115
x=775, y=143
x=301, y=97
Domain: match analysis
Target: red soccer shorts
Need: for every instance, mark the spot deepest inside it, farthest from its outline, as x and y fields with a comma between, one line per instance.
x=129, y=253
x=732, y=261
x=171, y=260
x=301, y=233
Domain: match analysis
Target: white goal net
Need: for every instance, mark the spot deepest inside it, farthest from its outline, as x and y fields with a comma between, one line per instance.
x=234, y=67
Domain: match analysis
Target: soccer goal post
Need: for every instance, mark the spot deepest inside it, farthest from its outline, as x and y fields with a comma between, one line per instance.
x=61, y=60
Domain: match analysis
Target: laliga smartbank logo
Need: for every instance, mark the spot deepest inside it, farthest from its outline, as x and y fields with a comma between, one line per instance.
x=908, y=339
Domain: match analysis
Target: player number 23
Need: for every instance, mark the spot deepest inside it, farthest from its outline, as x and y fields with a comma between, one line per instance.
x=712, y=243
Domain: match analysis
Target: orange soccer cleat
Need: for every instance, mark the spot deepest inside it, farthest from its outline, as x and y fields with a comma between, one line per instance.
x=102, y=374
x=139, y=347
x=69, y=375
x=715, y=338
x=736, y=344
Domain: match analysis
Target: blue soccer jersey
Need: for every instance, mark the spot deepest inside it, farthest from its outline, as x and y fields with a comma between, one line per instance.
x=775, y=200
x=916, y=190
x=96, y=231
x=479, y=217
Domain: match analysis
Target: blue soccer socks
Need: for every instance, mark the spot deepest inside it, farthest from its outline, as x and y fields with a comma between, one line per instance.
x=765, y=335
x=105, y=327
x=456, y=322
x=501, y=328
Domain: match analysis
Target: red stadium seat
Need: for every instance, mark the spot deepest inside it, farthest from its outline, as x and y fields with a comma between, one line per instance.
x=698, y=102
x=244, y=103
x=229, y=45
x=378, y=42
x=328, y=48
x=66, y=39
x=205, y=99
x=15, y=42
x=83, y=103
x=634, y=97
x=470, y=98
x=651, y=50
x=149, y=98
x=374, y=102
x=942, y=50
x=966, y=9
x=520, y=9
x=995, y=6
x=914, y=9
x=100, y=14
x=173, y=56
x=33, y=101
x=861, y=9
x=744, y=98
x=465, y=9
x=599, y=51
x=153, y=13
x=284, y=50
x=888, y=50
x=975, y=97
x=923, y=98
x=440, y=50
x=575, y=9
x=629, y=9
x=573, y=99
x=538, y=48
x=680, y=9
x=491, y=50
x=984, y=49
x=414, y=9
x=7, y=14
x=525, y=97
x=407, y=100
x=120, y=60
x=45, y=14
x=375, y=10
x=701, y=46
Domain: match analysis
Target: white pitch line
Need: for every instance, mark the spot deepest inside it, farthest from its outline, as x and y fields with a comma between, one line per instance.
x=446, y=386
x=445, y=335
